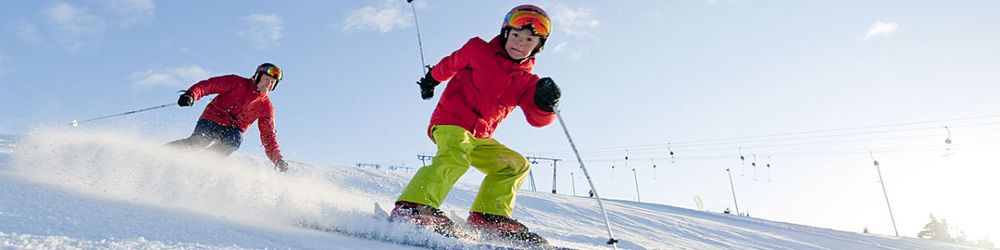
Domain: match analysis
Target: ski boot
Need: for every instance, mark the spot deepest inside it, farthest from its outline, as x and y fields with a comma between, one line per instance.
x=424, y=216
x=503, y=228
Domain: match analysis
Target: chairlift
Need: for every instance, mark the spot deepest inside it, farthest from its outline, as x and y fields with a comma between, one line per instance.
x=947, y=141
x=653, y=161
x=743, y=162
x=671, y=154
x=612, y=174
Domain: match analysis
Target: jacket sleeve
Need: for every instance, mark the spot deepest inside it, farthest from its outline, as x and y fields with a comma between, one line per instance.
x=458, y=60
x=214, y=85
x=268, y=135
x=536, y=116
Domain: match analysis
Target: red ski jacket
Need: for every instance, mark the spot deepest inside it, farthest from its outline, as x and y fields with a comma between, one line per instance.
x=238, y=105
x=485, y=85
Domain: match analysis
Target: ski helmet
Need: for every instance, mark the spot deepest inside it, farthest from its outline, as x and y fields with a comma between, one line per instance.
x=527, y=16
x=269, y=69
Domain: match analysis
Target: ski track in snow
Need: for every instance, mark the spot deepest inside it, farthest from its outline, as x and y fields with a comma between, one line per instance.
x=107, y=190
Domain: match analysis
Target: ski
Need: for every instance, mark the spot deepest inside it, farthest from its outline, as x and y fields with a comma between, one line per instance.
x=454, y=243
x=380, y=213
x=402, y=240
x=464, y=232
x=425, y=241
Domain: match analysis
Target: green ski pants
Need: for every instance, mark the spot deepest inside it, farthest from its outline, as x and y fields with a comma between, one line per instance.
x=457, y=150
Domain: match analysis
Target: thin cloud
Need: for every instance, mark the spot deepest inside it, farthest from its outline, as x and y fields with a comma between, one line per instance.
x=560, y=47
x=577, y=23
x=574, y=52
x=880, y=28
x=27, y=32
x=390, y=15
x=263, y=31
x=75, y=26
x=169, y=77
x=132, y=12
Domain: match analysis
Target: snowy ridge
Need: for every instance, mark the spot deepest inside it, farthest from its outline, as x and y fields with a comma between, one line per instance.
x=104, y=189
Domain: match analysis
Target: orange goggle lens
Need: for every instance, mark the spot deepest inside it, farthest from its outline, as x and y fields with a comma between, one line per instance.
x=538, y=22
x=273, y=72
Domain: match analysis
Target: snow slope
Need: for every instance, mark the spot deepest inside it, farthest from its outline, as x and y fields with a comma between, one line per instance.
x=105, y=189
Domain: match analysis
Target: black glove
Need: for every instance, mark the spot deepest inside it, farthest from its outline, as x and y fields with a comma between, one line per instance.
x=186, y=99
x=281, y=166
x=427, y=84
x=547, y=95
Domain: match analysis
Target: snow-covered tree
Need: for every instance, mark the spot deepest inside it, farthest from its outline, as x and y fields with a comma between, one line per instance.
x=936, y=230
x=939, y=229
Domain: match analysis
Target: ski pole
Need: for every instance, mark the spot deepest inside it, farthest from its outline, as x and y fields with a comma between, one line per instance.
x=420, y=43
x=611, y=236
x=75, y=123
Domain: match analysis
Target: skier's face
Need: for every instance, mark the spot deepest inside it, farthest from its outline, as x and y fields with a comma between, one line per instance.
x=265, y=84
x=520, y=43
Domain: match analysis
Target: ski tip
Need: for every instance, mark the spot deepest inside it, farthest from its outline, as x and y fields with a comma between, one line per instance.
x=379, y=212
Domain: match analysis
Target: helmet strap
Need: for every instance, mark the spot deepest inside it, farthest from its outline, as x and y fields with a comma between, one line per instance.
x=256, y=81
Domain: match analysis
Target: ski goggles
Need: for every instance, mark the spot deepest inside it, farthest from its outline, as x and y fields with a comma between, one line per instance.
x=539, y=23
x=271, y=70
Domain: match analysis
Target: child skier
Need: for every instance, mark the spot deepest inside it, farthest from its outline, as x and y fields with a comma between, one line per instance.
x=240, y=102
x=487, y=80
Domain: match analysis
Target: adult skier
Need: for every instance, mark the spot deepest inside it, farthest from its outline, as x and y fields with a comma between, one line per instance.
x=487, y=80
x=239, y=103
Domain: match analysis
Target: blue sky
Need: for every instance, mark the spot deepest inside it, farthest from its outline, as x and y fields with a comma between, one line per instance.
x=633, y=73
